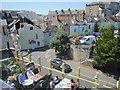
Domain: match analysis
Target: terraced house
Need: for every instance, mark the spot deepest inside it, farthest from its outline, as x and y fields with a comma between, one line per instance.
x=66, y=17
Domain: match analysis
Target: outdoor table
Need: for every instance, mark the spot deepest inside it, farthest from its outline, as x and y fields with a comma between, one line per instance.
x=65, y=83
x=39, y=75
x=27, y=82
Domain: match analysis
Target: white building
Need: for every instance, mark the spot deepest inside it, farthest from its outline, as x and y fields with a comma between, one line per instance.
x=89, y=23
x=30, y=37
x=49, y=33
x=90, y=26
x=79, y=29
x=109, y=21
x=74, y=29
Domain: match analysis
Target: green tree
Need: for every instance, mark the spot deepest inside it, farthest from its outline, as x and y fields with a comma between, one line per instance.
x=60, y=42
x=86, y=31
x=111, y=27
x=96, y=29
x=102, y=30
x=107, y=49
x=77, y=42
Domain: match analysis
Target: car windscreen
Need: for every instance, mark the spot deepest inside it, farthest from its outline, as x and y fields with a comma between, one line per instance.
x=76, y=38
x=84, y=39
x=59, y=62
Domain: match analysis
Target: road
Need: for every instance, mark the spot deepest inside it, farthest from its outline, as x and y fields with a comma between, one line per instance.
x=86, y=72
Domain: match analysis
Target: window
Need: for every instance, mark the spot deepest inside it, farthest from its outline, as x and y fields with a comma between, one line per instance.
x=89, y=26
x=38, y=43
x=22, y=26
x=4, y=30
x=49, y=33
x=8, y=14
x=31, y=28
x=83, y=29
x=3, y=14
x=74, y=30
x=90, y=10
x=36, y=36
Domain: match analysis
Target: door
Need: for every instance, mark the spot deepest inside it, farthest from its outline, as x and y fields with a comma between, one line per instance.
x=33, y=46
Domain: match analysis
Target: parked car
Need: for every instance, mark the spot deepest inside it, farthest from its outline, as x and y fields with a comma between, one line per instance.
x=79, y=37
x=89, y=34
x=57, y=64
x=96, y=34
x=88, y=40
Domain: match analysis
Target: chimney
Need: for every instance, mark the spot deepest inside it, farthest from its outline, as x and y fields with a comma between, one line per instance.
x=74, y=16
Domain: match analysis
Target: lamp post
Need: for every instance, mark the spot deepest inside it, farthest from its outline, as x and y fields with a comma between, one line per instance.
x=96, y=79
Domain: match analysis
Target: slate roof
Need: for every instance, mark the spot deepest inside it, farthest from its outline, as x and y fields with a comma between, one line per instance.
x=65, y=12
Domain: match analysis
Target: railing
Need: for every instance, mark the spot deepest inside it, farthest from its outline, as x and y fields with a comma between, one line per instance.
x=96, y=83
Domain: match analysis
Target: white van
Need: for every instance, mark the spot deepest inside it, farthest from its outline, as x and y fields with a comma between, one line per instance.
x=88, y=40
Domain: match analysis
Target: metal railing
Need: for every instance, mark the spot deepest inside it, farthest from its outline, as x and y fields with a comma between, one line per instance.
x=96, y=83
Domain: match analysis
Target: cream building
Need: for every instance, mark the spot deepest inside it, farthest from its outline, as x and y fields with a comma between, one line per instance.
x=30, y=37
x=102, y=8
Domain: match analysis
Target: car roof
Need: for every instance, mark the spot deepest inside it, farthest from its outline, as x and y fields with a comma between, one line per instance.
x=88, y=36
x=57, y=60
x=80, y=36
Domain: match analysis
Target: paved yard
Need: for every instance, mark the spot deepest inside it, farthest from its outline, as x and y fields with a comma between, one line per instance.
x=86, y=71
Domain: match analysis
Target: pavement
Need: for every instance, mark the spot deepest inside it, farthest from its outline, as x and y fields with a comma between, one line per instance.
x=86, y=72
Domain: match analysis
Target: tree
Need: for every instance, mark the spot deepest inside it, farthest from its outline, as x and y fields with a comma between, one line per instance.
x=77, y=42
x=102, y=30
x=107, y=49
x=96, y=29
x=111, y=27
x=60, y=42
x=86, y=31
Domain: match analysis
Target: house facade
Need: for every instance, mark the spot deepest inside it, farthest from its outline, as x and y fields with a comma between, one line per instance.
x=30, y=37
x=89, y=23
x=65, y=17
x=107, y=21
x=49, y=33
x=80, y=28
x=102, y=9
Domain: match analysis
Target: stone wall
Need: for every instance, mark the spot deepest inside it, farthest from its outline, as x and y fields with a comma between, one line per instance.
x=79, y=53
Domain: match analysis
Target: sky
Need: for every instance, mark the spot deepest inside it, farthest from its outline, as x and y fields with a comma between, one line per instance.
x=43, y=7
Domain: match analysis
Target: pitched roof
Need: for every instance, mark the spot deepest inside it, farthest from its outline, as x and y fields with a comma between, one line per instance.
x=64, y=12
x=112, y=19
x=52, y=28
